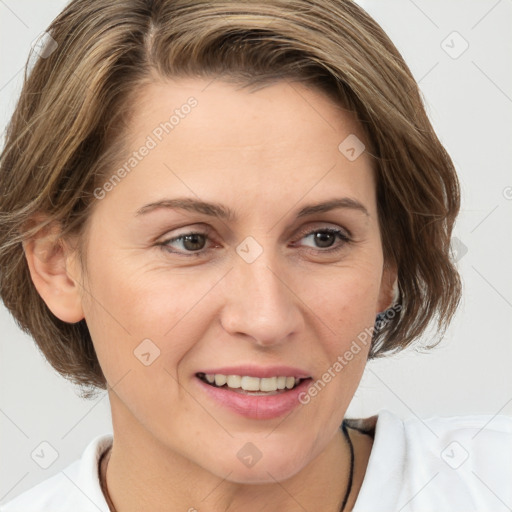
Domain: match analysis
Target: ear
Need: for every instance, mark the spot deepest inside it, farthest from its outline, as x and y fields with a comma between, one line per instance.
x=388, y=294
x=52, y=269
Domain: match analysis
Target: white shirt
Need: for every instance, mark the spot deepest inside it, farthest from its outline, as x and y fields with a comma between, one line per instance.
x=435, y=464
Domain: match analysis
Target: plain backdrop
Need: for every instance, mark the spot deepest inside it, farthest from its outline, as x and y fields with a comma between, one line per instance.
x=460, y=52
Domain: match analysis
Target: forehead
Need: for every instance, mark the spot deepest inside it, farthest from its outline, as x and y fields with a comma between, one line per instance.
x=261, y=112
x=283, y=141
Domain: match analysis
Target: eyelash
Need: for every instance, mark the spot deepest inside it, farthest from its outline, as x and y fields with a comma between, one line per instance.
x=333, y=231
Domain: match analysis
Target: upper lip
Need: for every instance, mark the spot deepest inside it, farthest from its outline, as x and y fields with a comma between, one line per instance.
x=258, y=371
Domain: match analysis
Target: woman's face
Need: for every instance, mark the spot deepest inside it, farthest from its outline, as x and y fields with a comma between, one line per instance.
x=263, y=292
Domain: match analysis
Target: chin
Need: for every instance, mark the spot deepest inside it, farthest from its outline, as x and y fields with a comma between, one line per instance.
x=262, y=475
x=265, y=470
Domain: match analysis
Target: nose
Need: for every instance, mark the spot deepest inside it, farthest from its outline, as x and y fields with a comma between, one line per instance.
x=260, y=302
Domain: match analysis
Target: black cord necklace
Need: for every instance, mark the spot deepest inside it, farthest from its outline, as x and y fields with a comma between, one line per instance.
x=349, y=486
x=345, y=499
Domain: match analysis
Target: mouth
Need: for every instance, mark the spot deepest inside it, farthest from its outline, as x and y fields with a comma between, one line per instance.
x=250, y=385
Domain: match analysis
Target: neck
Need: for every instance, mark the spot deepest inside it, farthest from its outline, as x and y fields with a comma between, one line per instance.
x=135, y=482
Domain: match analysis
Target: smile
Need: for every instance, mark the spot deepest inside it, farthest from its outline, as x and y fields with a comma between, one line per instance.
x=257, y=398
x=246, y=383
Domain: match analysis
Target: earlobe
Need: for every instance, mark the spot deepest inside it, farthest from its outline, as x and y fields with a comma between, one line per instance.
x=49, y=269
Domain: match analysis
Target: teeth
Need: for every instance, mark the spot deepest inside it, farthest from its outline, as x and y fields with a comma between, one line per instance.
x=247, y=383
x=269, y=384
x=250, y=384
x=220, y=380
x=234, y=381
x=290, y=382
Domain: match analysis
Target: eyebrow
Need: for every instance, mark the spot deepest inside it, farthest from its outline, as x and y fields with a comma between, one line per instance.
x=222, y=212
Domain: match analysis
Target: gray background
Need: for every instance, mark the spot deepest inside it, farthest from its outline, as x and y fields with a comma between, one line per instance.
x=469, y=99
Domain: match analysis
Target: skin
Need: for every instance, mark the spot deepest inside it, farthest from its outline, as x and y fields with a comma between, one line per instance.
x=264, y=154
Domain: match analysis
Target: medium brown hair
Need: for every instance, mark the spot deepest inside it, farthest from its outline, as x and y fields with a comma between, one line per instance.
x=64, y=138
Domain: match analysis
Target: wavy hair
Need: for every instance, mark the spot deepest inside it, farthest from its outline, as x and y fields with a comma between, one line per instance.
x=64, y=138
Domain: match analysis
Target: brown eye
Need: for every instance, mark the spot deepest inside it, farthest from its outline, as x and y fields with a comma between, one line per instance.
x=192, y=243
x=325, y=238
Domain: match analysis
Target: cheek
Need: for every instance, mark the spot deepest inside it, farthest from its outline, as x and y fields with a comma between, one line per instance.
x=138, y=315
x=346, y=295
x=343, y=308
x=134, y=310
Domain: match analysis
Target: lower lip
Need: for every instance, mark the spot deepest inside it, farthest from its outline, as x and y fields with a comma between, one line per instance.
x=258, y=407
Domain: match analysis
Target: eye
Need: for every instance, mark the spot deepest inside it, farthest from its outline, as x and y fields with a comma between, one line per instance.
x=325, y=238
x=194, y=242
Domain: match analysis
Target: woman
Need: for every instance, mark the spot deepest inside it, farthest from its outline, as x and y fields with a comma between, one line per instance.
x=221, y=211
